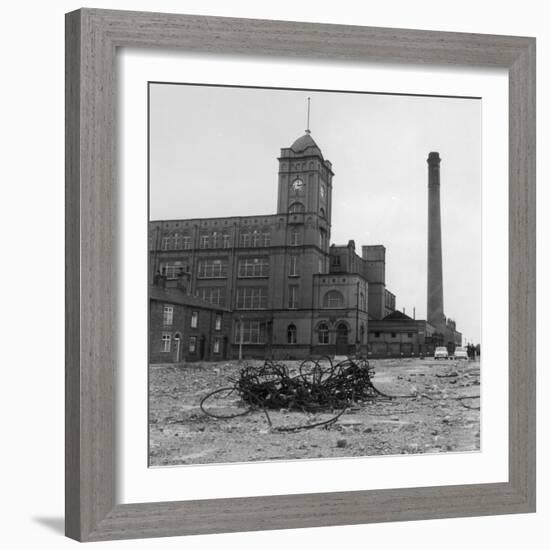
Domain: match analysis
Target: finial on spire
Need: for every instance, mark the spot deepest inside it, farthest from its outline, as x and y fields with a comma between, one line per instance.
x=308, y=131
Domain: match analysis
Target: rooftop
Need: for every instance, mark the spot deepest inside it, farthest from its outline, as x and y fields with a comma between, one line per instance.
x=307, y=144
x=177, y=296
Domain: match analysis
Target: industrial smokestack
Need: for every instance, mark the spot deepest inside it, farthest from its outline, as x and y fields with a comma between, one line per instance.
x=436, y=317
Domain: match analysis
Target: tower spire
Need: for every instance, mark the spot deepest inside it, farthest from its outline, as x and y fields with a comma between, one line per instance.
x=308, y=131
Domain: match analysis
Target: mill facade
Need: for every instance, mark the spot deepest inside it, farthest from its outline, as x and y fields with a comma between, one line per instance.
x=289, y=292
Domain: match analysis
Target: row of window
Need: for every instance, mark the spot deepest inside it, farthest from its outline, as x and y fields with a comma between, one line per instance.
x=298, y=165
x=254, y=332
x=215, y=240
x=248, y=332
x=217, y=268
x=393, y=334
x=166, y=343
x=256, y=298
x=247, y=240
x=168, y=318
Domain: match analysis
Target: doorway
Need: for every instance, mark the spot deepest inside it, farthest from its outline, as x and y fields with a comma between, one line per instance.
x=202, y=347
x=342, y=339
x=177, y=342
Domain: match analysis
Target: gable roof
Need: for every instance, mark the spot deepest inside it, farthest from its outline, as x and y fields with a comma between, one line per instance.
x=397, y=316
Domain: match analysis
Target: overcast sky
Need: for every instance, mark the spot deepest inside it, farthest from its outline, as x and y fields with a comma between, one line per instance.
x=213, y=152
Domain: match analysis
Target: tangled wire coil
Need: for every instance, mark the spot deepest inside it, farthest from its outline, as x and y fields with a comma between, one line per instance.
x=316, y=386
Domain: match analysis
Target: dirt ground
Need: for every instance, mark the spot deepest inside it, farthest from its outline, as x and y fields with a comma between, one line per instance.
x=432, y=420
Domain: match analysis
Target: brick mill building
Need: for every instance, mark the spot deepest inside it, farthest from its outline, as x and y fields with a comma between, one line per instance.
x=285, y=291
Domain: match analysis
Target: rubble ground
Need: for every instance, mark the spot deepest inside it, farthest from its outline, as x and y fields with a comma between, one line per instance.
x=441, y=415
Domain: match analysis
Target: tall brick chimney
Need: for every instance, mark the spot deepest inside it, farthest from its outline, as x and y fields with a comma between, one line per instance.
x=436, y=317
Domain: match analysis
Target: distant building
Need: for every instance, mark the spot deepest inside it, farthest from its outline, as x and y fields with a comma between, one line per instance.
x=287, y=291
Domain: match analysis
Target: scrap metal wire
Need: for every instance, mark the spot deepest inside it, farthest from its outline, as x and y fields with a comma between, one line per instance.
x=316, y=386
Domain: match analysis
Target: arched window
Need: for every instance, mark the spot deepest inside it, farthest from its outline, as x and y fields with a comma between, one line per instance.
x=333, y=298
x=291, y=334
x=296, y=208
x=256, y=235
x=322, y=238
x=322, y=331
x=322, y=213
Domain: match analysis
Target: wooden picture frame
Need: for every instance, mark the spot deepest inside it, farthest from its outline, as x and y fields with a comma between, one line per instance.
x=92, y=39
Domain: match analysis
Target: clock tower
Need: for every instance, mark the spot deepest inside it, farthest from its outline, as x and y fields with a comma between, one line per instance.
x=305, y=179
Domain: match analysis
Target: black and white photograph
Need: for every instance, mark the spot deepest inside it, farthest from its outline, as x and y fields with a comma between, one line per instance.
x=314, y=274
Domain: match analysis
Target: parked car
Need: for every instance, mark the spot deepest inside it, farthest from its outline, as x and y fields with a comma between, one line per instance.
x=461, y=353
x=441, y=353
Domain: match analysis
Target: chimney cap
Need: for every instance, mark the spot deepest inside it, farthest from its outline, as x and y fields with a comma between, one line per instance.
x=434, y=158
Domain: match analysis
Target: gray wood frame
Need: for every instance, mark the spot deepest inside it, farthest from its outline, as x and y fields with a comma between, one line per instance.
x=92, y=38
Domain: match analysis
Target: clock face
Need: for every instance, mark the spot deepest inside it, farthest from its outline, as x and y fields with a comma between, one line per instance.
x=297, y=185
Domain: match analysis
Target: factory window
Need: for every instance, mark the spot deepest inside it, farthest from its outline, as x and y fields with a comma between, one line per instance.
x=216, y=239
x=203, y=242
x=292, y=297
x=177, y=241
x=165, y=243
x=194, y=319
x=168, y=315
x=294, y=238
x=293, y=266
x=214, y=295
x=245, y=239
x=226, y=242
x=251, y=332
x=186, y=242
x=323, y=333
x=333, y=298
x=254, y=267
x=251, y=298
x=192, y=344
x=165, y=342
x=212, y=269
x=267, y=238
x=173, y=270
x=291, y=334
x=335, y=260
